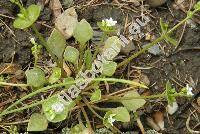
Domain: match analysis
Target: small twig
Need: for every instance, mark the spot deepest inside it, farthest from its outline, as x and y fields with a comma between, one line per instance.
x=188, y=126
x=86, y=117
x=15, y=123
x=92, y=110
x=140, y=125
x=80, y=120
x=12, y=84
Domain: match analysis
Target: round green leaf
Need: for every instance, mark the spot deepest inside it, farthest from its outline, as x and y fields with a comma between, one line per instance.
x=109, y=68
x=37, y=122
x=55, y=76
x=51, y=114
x=35, y=77
x=111, y=48
x=71, y=54
x=83, y=32
x=133, y=104
x=33, y=12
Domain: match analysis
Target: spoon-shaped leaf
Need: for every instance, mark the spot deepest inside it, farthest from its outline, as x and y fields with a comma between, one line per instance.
x=25, y=21
x=109, y=68
x=57, y=44
x=35, y=77
x=55, y=110
x=37, y=122
x=111, y=48
x=133, y=104
x=71, y=54
x=83, y=32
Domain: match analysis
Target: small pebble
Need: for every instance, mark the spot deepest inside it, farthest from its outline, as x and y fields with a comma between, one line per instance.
x=19, y=74
x=172, y=109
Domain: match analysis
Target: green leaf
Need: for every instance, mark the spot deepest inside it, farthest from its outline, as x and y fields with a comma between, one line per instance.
x=32, y=13
x=109, y=68
x=65, y=80
x=190, y=14
x=171, y=40
x=133, y=104
x=37, y=122
x=118, y=114
x=35, y=77
x=88, y=59
x=57, y=43
x=164, y=26
x=197, y=6
x=83, y=32
x=55, y=76
x=111, y=48
x=169, y=93
x=56, y=116
x=122, y=114
x=71, y=54
x=108, y=119
x=96, y=96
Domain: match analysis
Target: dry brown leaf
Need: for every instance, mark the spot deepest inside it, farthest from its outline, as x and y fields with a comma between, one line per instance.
x=66, y=22
x=152, y=124
x=56, y=6
x=159, y=119
x=183, y=4
x=9, y=68
x=67, y=69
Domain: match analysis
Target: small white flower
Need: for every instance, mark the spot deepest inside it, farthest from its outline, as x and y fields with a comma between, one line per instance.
x=189, y=90
x=171, y=109
x=32, y=40
x=109, y=22
x=58, y=107
x=110, y=119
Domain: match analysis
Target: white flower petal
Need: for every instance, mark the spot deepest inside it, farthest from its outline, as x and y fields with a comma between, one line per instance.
x=189, y=90
x=58, y=107
x=32, y=40
x=110, y=119
x=109, y=22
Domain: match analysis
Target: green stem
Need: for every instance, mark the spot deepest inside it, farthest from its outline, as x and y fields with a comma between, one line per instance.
x=121, y=81
x=86, y=118
x=5, y=112
x=102, y=109
x=99, y=46
x=91, y=109
x=34, y=93
x=126, y=61
x=82, y=48
x=117, y=98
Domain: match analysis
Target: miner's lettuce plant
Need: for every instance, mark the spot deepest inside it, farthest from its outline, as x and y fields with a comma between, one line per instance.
x=79, y=58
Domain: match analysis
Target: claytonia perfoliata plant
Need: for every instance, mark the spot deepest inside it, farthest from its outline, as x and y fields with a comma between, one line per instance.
x=74, y=60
